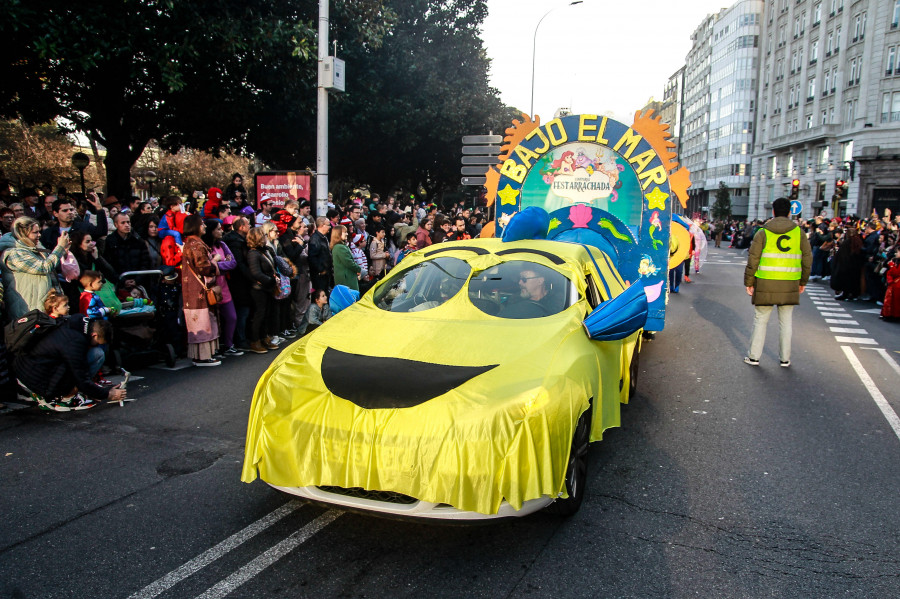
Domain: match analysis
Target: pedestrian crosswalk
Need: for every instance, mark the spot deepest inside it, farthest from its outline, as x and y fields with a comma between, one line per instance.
x=834, y=313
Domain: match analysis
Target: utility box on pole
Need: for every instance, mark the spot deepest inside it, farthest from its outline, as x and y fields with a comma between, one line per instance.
x=333, y=74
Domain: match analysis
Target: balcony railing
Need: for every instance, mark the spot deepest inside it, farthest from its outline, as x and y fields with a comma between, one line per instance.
x=890, y=117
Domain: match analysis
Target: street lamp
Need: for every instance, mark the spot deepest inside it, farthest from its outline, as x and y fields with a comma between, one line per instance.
x=150, y=177
x=534, y=49
x=81, y=161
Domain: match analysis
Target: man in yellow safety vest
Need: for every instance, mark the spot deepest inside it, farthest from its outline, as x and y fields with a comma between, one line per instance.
x=777, y=272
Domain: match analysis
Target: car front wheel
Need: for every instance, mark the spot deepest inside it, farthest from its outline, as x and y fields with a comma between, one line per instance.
x=576, y=471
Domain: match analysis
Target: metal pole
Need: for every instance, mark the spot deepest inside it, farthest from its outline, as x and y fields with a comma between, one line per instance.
x=534, y=49
x=322, y=120
x=81, y=170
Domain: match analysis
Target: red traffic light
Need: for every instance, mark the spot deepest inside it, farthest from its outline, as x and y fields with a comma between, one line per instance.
x=841, y=183
x=796, y=182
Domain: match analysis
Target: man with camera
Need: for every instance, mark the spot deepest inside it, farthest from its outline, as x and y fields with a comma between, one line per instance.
x=67, y=220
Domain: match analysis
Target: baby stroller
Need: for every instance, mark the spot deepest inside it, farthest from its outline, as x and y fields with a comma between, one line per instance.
x=136, y=342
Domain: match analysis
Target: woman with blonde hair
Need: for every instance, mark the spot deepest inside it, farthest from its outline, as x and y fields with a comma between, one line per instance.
x=29, y=269
x=262, y=278
x=346, y=269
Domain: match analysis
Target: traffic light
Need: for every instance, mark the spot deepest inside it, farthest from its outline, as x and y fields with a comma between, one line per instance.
x=795, y=189
x=840, y=189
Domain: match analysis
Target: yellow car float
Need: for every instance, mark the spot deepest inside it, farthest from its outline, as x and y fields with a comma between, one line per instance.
x=468, y=384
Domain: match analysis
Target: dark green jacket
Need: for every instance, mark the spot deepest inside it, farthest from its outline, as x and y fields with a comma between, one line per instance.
x=769, y=292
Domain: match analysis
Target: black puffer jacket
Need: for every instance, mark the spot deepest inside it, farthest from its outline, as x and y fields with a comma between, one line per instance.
x=58, y=362
x=126, y=254
x=239, y=279
x=262, y=268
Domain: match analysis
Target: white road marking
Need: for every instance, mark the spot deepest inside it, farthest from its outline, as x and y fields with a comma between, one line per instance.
x=214, y=553
x=860, y=340
x=889, y=413
x=887, y=358
x=835, y=308
x=269, y=557
x=846, y=330
x=871, y=311
x=840, y=321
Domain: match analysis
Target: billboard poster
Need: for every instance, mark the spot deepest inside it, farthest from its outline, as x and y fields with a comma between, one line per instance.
x=281, y=186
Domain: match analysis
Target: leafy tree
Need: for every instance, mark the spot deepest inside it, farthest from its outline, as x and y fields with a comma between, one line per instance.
x=194, y=74
x=191, y=170
x=409, y=102
x=721, y=209
x=41, y=154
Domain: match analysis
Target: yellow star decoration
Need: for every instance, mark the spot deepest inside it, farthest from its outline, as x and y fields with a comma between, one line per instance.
x=657, y=199
x=508, y=195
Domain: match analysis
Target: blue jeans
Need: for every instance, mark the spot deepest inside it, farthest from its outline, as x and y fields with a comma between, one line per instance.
x=96, y=357
x=675, y=277
x=240, y=327
x=818, y=262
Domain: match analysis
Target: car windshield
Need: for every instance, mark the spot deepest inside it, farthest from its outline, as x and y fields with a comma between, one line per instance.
x=520, y=289
x=426, y=285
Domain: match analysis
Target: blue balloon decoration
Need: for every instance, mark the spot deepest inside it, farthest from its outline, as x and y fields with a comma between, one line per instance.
x=342, y=297
x=619, y=317
x=530, y=223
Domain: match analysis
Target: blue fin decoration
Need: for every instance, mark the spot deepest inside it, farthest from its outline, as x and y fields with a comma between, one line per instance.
x=530, y=223
x=619, y=317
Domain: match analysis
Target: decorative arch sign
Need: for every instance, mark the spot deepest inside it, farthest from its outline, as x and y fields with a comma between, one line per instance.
x=604, y=183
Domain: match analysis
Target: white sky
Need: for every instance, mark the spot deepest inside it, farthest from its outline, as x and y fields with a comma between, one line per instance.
x=595, y=57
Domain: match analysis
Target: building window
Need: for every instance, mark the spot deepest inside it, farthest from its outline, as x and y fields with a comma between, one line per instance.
x=852, y=72
x=829, y=45
x=817, y=13
x=834, y=80
x=793, y=62
x=895, y=19
x=827, y=83
x=824, y=117
x=851, y=111
x=810, y=89
x=857, y=28
x=890, y=107
x=814, y=52
x=847, y=150
x=837, y=40
x=859, y=69
x=891, y=56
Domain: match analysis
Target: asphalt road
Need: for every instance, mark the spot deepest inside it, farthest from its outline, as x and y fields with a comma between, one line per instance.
x=724, y=481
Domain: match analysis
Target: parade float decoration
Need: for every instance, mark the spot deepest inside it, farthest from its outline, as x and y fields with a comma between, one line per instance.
x=603, y=184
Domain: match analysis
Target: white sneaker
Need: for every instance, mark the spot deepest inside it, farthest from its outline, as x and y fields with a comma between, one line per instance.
x=277, y=340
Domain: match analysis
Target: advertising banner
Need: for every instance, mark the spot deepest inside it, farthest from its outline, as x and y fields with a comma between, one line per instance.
x=281, y=186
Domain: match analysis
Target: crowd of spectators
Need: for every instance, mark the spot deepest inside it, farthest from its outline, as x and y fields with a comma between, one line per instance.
x=859, y=258
x=221, y=275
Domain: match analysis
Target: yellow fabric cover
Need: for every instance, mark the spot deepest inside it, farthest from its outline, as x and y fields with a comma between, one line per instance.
x=505, y=434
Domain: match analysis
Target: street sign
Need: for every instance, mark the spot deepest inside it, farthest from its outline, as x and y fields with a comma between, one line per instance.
x=796, y=207
x=481, y=150
x=474, y=170
x=469, y=140
x=488, y=160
